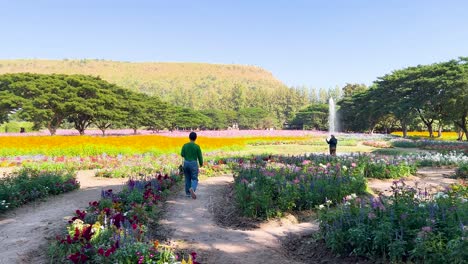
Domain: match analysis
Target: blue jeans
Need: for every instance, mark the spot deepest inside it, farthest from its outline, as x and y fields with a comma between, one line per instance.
x=191, y=175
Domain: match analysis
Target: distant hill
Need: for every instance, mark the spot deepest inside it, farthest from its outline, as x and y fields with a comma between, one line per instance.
x=196, y=85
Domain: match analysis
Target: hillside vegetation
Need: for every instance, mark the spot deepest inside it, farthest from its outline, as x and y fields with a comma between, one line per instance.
x=196, y=85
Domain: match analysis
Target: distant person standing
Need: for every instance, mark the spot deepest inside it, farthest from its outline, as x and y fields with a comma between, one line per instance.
x=191, y=153
x=332, y=142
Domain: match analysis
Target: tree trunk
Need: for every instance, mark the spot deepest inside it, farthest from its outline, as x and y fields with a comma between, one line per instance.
x=439, y=131
x=404, y=128
x=427, y=123
x=135, y=131
x=430, y=130
x=465, y=130
x=52, y=130
x=103, y=132
x=463, y=126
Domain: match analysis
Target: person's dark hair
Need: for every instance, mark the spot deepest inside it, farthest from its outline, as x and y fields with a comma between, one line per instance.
x=192, y=136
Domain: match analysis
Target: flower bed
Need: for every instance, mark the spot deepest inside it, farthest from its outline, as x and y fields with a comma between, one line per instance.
x=438, y=159
x=381, y=167
x=27, y=185
x=377, y=144
x=269, y=186
x=444, y=146
x=116, y=229
x=407, y=226
x=368, y=165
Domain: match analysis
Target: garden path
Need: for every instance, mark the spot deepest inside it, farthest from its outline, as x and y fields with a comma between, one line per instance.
x=431, y=179
x=190, y=224
x=24, y=232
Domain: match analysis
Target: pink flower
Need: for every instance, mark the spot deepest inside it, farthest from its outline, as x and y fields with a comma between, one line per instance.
x=353, y=165
x=296, y=181
x=371, y=216
x=426, y=229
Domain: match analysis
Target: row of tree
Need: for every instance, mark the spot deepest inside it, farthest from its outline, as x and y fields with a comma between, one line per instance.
x=198, y=86
x=50, y=100
x=435, y=94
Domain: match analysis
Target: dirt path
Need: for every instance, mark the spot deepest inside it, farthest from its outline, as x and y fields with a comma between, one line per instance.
x=23, y=231
x=431, y=179
x=191, y=225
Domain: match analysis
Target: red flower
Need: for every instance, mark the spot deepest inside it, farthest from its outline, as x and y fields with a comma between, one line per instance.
x=77, y=257
x=134, y=226
x=100, y=251
x=77, y=234
x=106, y=211
x=87, y=233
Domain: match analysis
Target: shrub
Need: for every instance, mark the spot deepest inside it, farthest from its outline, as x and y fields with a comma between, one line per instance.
x=407, y=226
x=27, y=185
x=405, y=144
x=462, y=171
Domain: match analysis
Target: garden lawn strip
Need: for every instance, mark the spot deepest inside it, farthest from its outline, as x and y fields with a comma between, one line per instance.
x=191, y=224
x=24, y=232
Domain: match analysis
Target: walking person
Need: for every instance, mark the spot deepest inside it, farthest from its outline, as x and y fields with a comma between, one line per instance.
x=192, y=155
x=332, y=142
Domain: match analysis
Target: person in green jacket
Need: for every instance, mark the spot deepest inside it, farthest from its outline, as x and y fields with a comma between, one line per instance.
x=191, y=153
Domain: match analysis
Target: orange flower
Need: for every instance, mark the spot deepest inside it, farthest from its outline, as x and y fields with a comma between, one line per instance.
x=156, y=244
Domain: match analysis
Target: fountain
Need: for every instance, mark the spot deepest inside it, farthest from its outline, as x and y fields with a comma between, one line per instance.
x=331, y=116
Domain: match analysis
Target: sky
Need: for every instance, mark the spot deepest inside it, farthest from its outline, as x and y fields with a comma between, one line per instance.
x=320, y=44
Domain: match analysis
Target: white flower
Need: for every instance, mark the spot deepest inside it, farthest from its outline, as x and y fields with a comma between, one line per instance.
x=421, y=205
x=321, y=206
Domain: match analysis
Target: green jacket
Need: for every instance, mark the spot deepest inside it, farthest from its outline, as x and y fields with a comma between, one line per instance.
x=192, y=152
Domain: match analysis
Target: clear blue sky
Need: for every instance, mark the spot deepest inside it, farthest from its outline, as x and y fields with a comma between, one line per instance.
x=314, y=43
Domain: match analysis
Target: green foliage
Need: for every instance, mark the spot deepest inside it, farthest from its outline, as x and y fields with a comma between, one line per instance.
x=198, y=86
x=405, y=144
x=255, y=118
x=314, y=116
x=462, y=171
x=435, y=93
x=27, y=185
x=15, y=127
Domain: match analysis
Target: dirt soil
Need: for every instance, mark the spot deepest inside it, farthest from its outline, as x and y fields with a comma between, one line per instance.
x=431, y=179
x=192, y=225
x=24, y=232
